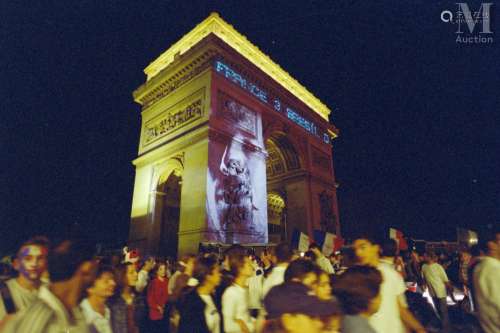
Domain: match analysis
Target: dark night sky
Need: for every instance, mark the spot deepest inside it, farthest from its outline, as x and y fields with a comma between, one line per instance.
x=418, y=113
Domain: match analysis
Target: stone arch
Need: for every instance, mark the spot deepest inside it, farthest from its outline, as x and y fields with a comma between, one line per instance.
x=282, y=155
x=276, y=216
x=165, y=207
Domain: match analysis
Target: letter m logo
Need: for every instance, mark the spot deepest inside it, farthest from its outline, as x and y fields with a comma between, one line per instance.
x=464, y=15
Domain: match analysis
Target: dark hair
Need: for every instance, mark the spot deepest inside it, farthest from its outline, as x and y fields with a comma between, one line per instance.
x=314, y=245
x=432, y=256
x=41, y=241
x=236, y=263
x=120, y=273
x=283, y=252
x=310, y=255
x=234, y=250
x=66, y=257
x=102, y=268
x=204, y=267
x=389, y=248
x=356, y=288
x=298, y=269
x=154, y=272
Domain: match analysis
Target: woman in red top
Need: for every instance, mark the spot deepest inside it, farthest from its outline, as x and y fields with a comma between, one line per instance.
x=157, y=301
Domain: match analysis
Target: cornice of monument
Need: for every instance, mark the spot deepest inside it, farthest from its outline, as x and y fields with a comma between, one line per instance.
x=162, y=85
x=214, y=24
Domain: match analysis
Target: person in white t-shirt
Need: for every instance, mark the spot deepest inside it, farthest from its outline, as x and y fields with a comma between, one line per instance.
x=31, y=263
x=437, y=283
x=283, y=255
x=94, y=308
x=486, y=282
x=235, y=307
x=393, y=315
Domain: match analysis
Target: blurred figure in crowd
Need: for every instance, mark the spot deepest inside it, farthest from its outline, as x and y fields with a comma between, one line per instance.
x=235, y=307
x=486, y=281
x=143, y=276
x=283, y=255
x=182, y=275
x=198, y=313
x=358, y=291
x=309, y=255
x=393, y=314
x=323, y=287
x=321, y=260
x=268, y=261
x=227, y=278
x=291, y=309
x=94, y=308
x=72, y=270
x=437, y=283
x=122, y=304
x=157, y=300
x=463, y=277
x=18, y=293
x=303, y=271
x=335, y=259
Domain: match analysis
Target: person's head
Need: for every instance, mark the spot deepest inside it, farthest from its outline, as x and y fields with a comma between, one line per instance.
x=465, y=256
x=31, y=258
x=241, y=265
x=389, y=248
x=489, y=243
x=125, y=276
x=234, y=250
x=315, y=248
x=310, y=255
x=160, y=271
x=104, y=284
x=266, y=258
x=283, y=253
x=358, y=290
x=431, y=257
x=186, y=264
x=207, y=271
x=303, y=271
x=323, y=287
x=291, y=308
x=367, y=250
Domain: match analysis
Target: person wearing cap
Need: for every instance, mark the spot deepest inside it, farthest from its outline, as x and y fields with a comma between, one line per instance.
x=292, y=307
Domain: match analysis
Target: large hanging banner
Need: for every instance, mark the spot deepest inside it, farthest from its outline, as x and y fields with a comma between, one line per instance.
x=236, y=189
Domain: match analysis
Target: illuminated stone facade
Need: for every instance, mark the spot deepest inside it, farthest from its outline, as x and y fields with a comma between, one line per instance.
x=232, y=149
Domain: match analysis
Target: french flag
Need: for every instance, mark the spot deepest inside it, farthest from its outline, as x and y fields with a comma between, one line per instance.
x=399, y=238
x=300, y=240
x=329, y=242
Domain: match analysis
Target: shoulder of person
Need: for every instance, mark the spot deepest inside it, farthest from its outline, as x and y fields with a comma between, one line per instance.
x=35, y=319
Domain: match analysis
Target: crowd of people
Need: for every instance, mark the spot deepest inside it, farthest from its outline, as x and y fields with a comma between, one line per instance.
x=64, y=287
